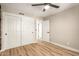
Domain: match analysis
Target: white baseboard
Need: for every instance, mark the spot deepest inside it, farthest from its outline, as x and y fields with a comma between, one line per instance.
x=66, y=47
x=63, y=46
x=19, y=46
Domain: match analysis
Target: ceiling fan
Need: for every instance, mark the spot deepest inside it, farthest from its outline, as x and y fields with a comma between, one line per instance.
x=47, y=6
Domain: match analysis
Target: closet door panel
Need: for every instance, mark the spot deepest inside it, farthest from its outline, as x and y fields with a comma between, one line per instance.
x=27, y=30
x=12, y=30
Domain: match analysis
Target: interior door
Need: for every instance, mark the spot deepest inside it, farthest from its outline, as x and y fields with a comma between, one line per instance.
x=45, y=30
x=11, y=28
x=28, y=30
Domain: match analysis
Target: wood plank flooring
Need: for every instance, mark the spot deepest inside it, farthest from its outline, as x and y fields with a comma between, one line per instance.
x=39, y=49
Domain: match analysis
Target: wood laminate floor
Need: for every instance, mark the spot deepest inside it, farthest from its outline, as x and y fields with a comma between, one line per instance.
x=39, y=49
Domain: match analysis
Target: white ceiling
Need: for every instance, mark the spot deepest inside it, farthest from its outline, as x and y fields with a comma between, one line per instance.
x=35, y=11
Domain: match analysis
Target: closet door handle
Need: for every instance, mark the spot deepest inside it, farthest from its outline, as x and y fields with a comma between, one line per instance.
x=32, y=32
x=5, y=33
x=48, y=32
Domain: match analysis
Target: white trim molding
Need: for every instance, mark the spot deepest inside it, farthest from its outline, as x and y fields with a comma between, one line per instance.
x=66, y=47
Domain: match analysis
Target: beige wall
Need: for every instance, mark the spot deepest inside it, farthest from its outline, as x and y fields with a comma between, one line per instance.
x=64, y=28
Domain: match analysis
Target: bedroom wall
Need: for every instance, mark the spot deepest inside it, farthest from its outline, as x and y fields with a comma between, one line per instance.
x=64, y=28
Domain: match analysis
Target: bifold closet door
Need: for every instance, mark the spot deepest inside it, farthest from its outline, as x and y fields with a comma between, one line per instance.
x=17, y=30
x=11, y=30
x=28, y=30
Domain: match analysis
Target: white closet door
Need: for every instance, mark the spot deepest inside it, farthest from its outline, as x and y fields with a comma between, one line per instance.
x=11, y=26
x=28, y=30
x=46, y=30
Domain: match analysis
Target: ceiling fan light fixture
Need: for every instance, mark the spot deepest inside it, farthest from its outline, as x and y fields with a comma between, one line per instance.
x=47, y=7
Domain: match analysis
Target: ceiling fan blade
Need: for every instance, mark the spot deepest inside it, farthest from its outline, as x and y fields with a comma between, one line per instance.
x=39, y=4
x=52, y=5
